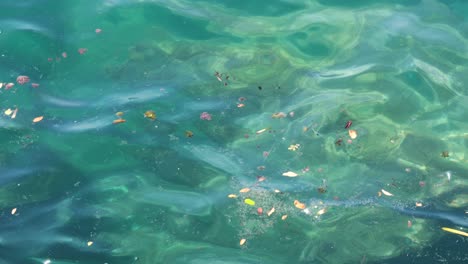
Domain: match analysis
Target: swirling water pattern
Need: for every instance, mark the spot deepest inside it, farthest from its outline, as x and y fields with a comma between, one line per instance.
x=144, y=192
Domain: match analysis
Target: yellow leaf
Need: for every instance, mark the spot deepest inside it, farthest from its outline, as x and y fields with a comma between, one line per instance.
x=352, y=134
x=249, y=202
x=119, y=113
x=8, y=112
x=232, y=196
x=244, y=190
x=38, y=119
x=117, y=121
x=458, y=232
x=290, y=174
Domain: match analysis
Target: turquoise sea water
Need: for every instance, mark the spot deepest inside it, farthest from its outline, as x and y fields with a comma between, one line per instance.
x=76, y=188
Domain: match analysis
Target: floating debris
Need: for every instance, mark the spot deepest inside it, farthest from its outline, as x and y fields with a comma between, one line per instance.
x=119, y=113
x=278, y=115
x=445, y=154
x=458, y=232
x=118, y=121
x=150, y=114
x=410, y=224
x=9, y=85
x=386, y=193
x=284, y=217
x=13, y=211
x=348, y=124
x=323, y=187
x=352, y=134
x=22, y=79
x=242, y=241
x=249, y=202
x=188, y=133
x=8, y=112
x=82, y=51
x=261, y=131
x=290, y=174
x=244, y=190
x=272, y=210
x=259, y=211
x=13, y=116
x=338, y=142
x=418, y=204
x=38, y=119
x=299, y=204
x=205, y=116
x=294, y=147
x=261, y=178
x=322, y=211
x=232, y=196
x=90, y=243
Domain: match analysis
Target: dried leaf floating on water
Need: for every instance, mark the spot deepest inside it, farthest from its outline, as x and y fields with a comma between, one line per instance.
x=13, y=116
x=188, y=133
x=119, y=113
x=386, y=193
x=322, y=211
x=90, y=243
x=284, y=217
x=261, y=131
x=38, y=119
x=242, y=241
x=249, y=202
x=118, y=121
x=272, y=210
x=278, y=115
x=352, y=134
x=299, y=204
x=294, y=147
x=8, y=112
x=455, y=231
x=232, y=196
x=150, y=114
x=290, y=174
x=244, y=190
x=13, y=211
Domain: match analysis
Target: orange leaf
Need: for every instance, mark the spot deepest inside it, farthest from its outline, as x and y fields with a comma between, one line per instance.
x=299, y=204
